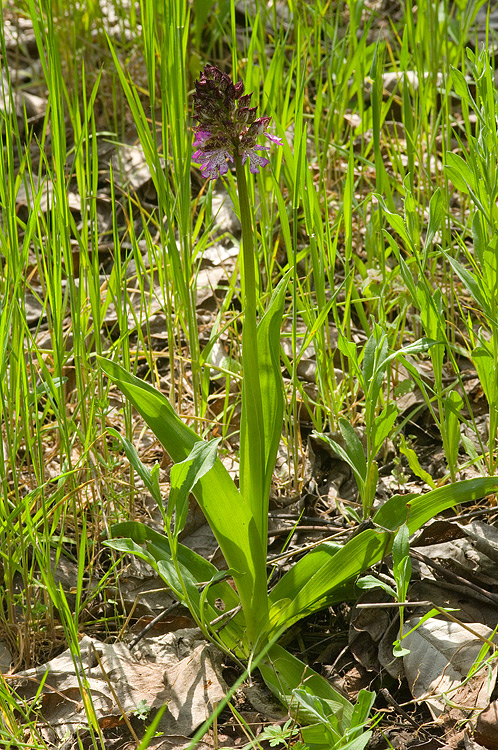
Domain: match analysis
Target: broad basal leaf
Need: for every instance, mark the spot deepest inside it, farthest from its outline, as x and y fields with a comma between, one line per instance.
x=325, y=573
x=226, y=512
x=139, y=539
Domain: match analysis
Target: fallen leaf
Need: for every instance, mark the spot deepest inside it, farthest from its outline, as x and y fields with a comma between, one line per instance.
x=189, y=686
x=367, y=627
x=487, y=727
x=130, y=167
x=441, y=656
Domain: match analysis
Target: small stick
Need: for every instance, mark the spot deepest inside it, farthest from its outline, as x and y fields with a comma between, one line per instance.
x=392, y=702
x=453, y=576
x=395, y=605
x=115, y=696
x=441, y=610
x=151, y=624
x=305, y=548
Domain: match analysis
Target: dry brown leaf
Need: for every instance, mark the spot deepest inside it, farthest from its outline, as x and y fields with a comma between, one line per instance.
x=487, y=727
x=441, y=656
x=367, y=627
x=190, y=686
x=130, y=167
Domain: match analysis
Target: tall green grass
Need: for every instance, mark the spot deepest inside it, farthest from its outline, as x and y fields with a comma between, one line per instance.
x=360, y=213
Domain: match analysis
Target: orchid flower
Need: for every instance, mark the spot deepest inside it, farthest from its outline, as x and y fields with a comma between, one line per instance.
x=227, y=126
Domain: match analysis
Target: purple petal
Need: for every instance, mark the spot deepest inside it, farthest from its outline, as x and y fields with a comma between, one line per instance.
x=255, y=161
x=213, y=163
x=274, y=139
x=201, y=137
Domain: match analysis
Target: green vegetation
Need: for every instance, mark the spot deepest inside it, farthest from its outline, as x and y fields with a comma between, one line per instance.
x=375, y=235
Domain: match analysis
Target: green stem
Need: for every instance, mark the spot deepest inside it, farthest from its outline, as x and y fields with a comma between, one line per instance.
x=248, y=258
x=251, y=385
x=252, y=434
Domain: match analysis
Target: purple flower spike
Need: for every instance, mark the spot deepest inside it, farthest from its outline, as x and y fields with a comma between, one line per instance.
x=227, y=125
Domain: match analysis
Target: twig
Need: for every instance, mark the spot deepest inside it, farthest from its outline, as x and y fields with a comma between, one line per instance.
x=393, y=605
x=305, y=548
x=115, y=696
x=151, y=624
x=449, y=575
x=394, y=704
x=441, y=610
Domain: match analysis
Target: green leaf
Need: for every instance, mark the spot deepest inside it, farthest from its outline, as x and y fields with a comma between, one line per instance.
x=472, y=284
x=459, y=173
x=226, y=512
x=201, y=578
x=490, y=269
x=149, y=478
x=452, y=408
x=396, y=221
x=370, y=489
x=382, y=426
x=185, y=475
x=399, y=650
x=414, y=463
x=196, y=567
x=354, y=449
x=375, y=385
x=460, y=84
x=271, y=375
x=405, y=271
x=275, y=735
x=487, y=370
x=348, y=348
x=130, y=547
x=362, y=708
x=368, y=363
x=417, y=347
x=284, y=673
x=345, y=456
x=327, y=574
x=425, y=507
x=401, y=545
x=479, y=236
x=436, y=208
x=370, y=582
x=394, y=512
x=328, y=713
x=272, y=392
x=314, y=738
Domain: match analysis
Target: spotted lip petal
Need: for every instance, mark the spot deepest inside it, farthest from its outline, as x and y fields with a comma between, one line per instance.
x=227, y=125
x=213, y=163
x=255, y=161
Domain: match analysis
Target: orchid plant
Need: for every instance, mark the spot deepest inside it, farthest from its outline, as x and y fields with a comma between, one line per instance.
x=250, y=618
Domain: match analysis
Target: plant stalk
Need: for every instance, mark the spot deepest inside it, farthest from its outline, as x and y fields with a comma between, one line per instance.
x=252, y=435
